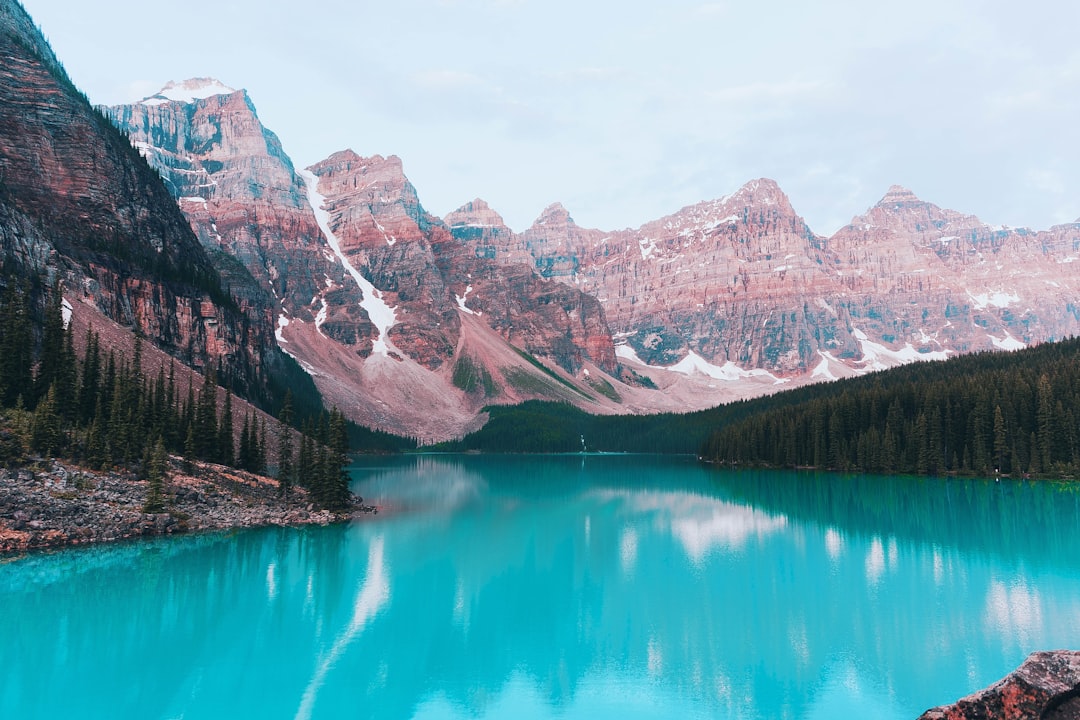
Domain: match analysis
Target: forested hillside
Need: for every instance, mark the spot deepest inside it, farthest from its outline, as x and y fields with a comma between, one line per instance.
x=1008, y=413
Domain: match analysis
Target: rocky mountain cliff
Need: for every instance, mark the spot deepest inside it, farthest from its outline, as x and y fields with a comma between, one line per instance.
x=78, y=203
x=721, y=300
x=741, y=284
x=360, y=272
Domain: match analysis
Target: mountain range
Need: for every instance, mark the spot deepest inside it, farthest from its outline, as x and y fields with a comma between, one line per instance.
x=225, y=254
x=414, y=323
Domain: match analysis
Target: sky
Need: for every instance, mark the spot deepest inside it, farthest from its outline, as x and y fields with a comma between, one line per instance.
x=628, y=111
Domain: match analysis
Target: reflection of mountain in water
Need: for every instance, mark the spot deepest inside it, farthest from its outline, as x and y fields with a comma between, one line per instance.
x=427, y=484
x=589, y=586
x=632, y=568
x=1033, y=521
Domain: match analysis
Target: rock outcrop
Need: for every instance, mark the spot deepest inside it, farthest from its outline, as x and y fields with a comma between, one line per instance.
x=78, y=203
x=724, y=299
x=237, y=188
x=66, y=505
x=1046, y=687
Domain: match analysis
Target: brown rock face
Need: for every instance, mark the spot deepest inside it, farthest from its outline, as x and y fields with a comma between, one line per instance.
x=743, y=279
x=729, y=279
x=237, y=187
x=77, y=200
x=388, y=237
x=242, y=195
x=1046, y=686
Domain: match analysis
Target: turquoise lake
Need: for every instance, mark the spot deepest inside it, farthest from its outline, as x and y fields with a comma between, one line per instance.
x=560, y=587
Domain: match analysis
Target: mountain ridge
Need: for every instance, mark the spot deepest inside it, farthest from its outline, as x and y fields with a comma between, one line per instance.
x=721, y=299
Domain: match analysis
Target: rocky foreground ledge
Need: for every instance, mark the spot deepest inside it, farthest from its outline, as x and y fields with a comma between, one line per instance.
x=61, y=505
x=1045, y=687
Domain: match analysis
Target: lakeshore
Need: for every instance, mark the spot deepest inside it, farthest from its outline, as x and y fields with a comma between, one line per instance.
x=58, y=504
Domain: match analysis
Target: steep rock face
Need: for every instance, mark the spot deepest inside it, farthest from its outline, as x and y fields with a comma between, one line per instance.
x=237, y=187
x=346, y=248
x=77, y=200
x=939, y=278
x=429, y=270
x=476, y=225
x=387, y=236
x=729, y=280
x=557, y=244
x=1047, y=685
x=743, y=280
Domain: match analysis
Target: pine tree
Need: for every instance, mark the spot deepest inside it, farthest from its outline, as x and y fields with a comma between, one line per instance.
x=52, y=345
x=306, y=461
x=16, y=343
x=243, y=458
x=1001, y=441
x=206, y=434
x=260, y=450
x=337, y=491
x=89, y=378
x=285, y=446
x=155, y=490
x=226, y=447
x=46, y=432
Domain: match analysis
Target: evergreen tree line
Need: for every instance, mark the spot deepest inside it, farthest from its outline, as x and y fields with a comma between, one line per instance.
x=103, y=411
x=1008, y=413
x=537, y=426
x=323, y=457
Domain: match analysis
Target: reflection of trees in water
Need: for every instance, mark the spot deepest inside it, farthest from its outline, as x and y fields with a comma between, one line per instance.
x=428, y=484
x=149, y=629
x=1035, y=522
x=732, y=592
x=740, y=604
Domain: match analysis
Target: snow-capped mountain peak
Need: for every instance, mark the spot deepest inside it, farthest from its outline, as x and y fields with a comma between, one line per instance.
x=188, y=91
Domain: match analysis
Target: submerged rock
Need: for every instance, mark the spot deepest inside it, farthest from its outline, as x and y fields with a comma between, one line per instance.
x=1046, y=686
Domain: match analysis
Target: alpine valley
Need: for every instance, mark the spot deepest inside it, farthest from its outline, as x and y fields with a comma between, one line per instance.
x=414, y=323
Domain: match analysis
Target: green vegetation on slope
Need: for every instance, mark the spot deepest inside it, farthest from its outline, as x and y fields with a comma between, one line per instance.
x=103, y=411
x=990, y=412
x=538, y=426
x=1013, y=412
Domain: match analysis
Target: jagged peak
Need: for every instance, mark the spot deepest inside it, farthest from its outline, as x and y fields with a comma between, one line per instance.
x=898, y=194
x=767, y=185
x=474, y=205
x=350, y=158
x=188, y=91
x=476, y=213
x=555, y=213
x=760, y=193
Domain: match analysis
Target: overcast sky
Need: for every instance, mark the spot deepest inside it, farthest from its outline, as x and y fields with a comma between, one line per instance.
x=627, y=111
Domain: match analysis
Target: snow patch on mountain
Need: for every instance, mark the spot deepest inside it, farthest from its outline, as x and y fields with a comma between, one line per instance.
x=996, y=299
x=1006, y=343
x=188, y=91
x=381, y=314
x=461, y=299
x=728, y=372
x=321, y=317
x=878, y=357
x=823, y=370
x=694, y=363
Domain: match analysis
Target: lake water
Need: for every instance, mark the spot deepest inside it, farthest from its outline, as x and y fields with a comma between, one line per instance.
x=560, y=587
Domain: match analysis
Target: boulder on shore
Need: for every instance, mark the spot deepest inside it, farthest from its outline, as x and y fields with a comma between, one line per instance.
x=1046, y=686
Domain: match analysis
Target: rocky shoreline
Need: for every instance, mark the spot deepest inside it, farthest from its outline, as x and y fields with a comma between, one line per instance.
x=58, y=504
x=1046, y=685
